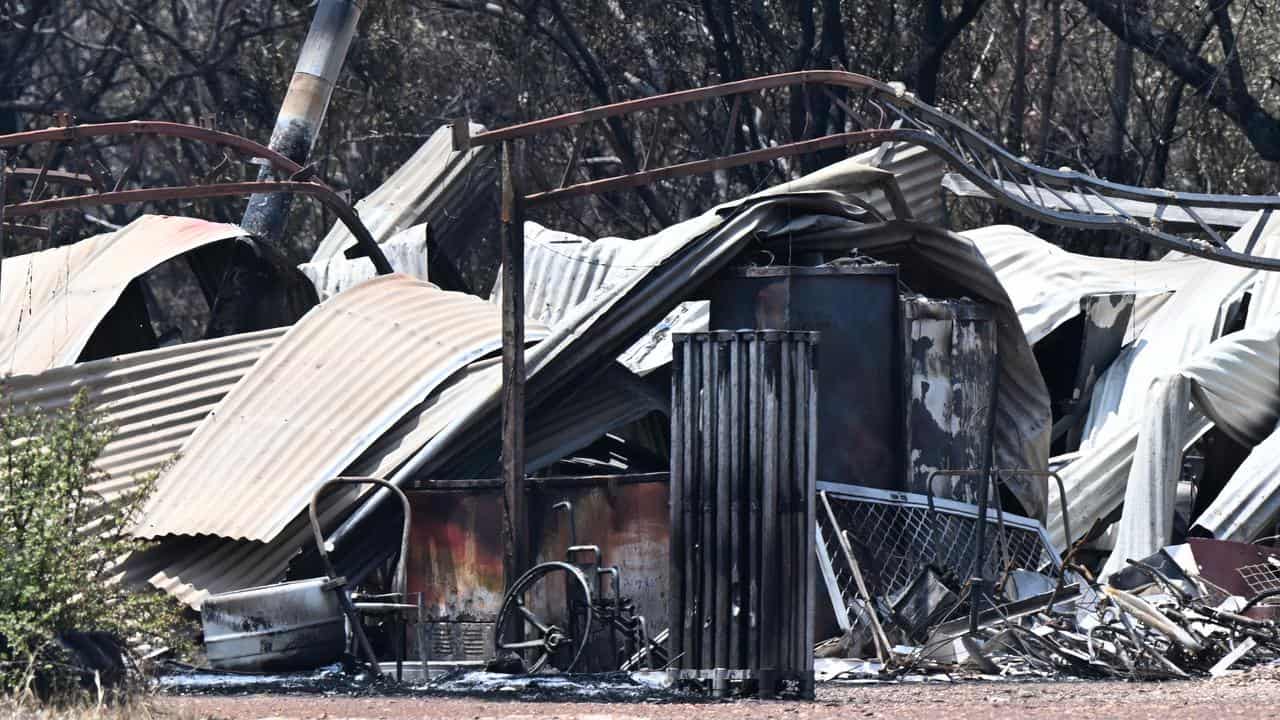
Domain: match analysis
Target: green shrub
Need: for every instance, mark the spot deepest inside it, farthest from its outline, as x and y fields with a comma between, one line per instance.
x=60, y=545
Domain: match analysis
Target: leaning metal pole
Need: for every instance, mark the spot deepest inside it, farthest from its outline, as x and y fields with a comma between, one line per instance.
x=304, y=105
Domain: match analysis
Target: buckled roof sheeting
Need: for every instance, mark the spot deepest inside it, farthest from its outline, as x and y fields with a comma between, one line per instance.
x=190, y=568
x=406, y=251
x=338, y=379
x=53, y=300
x=155, y=399
x=435, y=185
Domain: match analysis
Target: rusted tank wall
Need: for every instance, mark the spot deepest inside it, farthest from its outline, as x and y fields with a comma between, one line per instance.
x=455, y=554
x=630, y=523
x=950, y=361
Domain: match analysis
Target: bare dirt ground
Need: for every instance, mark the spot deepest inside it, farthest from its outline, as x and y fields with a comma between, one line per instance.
x=1253, y=695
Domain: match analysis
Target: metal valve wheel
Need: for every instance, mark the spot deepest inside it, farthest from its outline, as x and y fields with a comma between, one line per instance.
x=535, y=636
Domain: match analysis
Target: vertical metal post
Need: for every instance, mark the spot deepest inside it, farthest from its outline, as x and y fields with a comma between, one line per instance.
x=515, y=520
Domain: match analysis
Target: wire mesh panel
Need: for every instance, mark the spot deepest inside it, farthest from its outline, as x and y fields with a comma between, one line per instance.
x=895, y=536
x=1260, y=577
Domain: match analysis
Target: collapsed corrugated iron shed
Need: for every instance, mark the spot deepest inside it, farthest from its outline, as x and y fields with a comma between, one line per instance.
x=395, y=378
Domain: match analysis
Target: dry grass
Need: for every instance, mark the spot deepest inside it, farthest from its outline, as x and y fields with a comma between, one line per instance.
x=140, y=708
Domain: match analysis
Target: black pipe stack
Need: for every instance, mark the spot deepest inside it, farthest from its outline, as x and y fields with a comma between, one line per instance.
x=743, y=452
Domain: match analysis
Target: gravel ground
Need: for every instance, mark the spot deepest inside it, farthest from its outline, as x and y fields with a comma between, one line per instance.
x=1252, y=695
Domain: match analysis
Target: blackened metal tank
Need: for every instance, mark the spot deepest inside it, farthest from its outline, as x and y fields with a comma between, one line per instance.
x=856, y=309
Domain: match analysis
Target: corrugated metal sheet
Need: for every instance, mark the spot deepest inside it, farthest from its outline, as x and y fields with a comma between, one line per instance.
x=406, y=251
x=1096, y=480
x=340, y=377
x=1146, y=524
x=563, y=270
x=1249, y=505
x=604, y=403
x=744, y=467
x=192, y=568
x=1185, y=325
x=1237, y=381
x=917, y=172
x=154, y=399
x=435, y=185
x=654, y=349
x=53, y=300
x=1046, y=282
x=1065, y=200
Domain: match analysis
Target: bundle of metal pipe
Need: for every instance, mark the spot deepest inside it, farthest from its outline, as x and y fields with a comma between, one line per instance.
x=744, y=421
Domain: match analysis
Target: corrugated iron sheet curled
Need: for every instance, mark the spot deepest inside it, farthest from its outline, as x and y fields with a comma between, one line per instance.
x=338, y=379
x=53, y=300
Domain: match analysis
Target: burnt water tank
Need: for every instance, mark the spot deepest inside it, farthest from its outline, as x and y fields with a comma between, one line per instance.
x=951, y=354
x=855, y=307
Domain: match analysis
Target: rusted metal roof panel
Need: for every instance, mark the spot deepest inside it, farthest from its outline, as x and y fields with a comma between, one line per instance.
x=435, y=185
x=338, y=379
x=53, y=300
x=154, y=399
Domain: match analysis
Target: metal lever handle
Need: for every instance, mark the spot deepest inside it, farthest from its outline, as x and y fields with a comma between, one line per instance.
x=573, y=529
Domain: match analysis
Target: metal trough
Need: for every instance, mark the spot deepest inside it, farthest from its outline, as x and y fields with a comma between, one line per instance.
x=289, y=626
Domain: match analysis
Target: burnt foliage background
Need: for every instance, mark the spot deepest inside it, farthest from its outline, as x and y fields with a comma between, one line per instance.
x=1183, y=94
